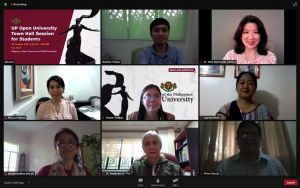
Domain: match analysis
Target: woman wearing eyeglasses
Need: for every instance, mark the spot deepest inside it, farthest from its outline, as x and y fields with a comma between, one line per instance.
x=150, y=106
x=66, y=144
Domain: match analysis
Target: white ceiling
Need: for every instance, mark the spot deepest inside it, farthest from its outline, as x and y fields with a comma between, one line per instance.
x=26, y=127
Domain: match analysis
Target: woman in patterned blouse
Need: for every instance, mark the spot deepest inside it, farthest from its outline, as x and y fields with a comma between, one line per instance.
x=244, y=108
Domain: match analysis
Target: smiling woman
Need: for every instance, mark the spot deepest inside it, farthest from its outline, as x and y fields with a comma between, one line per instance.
x=150, y=106
x=66, y=144
x=244, y=108
x=57, y=108
x=251, y=43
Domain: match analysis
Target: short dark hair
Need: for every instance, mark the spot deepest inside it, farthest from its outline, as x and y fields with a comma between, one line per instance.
x=57, y=79
x=244, y=124
x=159, y=21
x=262, y=45
x=142, y=110
x=246, y=72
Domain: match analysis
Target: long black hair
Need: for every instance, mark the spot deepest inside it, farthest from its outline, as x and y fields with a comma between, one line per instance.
x=142, y=110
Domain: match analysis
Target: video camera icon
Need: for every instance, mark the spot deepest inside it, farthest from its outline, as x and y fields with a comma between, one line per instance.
x=140, y=180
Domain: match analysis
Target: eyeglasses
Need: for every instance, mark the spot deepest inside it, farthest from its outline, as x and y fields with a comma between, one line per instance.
x=71, y=144
x=149, y=97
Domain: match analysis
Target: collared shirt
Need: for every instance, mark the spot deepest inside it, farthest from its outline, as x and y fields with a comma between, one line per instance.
x=264, y=166
x=172, y=56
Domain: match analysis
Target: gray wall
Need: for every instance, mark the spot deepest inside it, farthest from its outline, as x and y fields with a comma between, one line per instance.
x=225, y=22
x=121, y=49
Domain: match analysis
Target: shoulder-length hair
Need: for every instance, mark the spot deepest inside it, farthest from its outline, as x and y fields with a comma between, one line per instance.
x=262, y=45
x=142, y=110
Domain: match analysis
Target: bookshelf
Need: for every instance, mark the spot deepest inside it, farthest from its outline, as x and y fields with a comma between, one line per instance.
x=186, y=151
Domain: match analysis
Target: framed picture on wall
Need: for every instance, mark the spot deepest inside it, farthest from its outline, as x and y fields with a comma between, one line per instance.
x=24, y=81
x=212, y=70
x=255, y=69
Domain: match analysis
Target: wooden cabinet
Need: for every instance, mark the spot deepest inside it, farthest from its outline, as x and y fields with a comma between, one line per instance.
x=186, y=151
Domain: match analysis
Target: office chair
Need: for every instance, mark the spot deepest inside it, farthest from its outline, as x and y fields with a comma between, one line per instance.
x=135, y=55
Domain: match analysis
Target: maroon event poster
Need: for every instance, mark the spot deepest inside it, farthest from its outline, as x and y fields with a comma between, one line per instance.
x=32, y=36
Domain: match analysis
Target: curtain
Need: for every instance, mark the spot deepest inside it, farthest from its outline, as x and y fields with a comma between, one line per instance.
x=217, y=142
x=135, y=24
x=276, y=143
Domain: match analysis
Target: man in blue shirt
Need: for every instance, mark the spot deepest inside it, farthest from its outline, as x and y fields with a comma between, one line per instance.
x=250, y=161
x=160, y=52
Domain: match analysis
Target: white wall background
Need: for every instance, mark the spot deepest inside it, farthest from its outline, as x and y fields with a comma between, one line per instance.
x=276, y=88
x=225, y=22
x=121, y=49
x=193, y=124
x=38, y=143
x=90, y=40
x=137, y=77
x=80, y=81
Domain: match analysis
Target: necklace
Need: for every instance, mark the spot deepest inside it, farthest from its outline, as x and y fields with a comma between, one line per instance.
x=245, y=109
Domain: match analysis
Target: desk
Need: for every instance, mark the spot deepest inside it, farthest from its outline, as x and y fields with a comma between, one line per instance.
x=93, y=113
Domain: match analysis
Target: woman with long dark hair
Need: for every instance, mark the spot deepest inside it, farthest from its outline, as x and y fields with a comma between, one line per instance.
x=244, y=108
x=150, y=106
x=251, y=43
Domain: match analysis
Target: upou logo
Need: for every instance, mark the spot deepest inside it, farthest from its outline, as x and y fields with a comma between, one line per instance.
x=16, y=21
x=168, y=86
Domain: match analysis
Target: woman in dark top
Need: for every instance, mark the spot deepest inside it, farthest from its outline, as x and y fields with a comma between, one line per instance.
x=244, y=108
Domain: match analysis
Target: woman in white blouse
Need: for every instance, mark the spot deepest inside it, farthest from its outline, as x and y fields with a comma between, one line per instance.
x=57, y=108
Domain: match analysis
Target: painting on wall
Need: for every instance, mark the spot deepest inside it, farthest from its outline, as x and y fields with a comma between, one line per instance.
x=24, y=81
x=212, y=70
x=246, y=68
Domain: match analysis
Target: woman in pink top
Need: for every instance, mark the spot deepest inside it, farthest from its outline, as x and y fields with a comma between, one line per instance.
x=251, y=40
x=57, y=108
